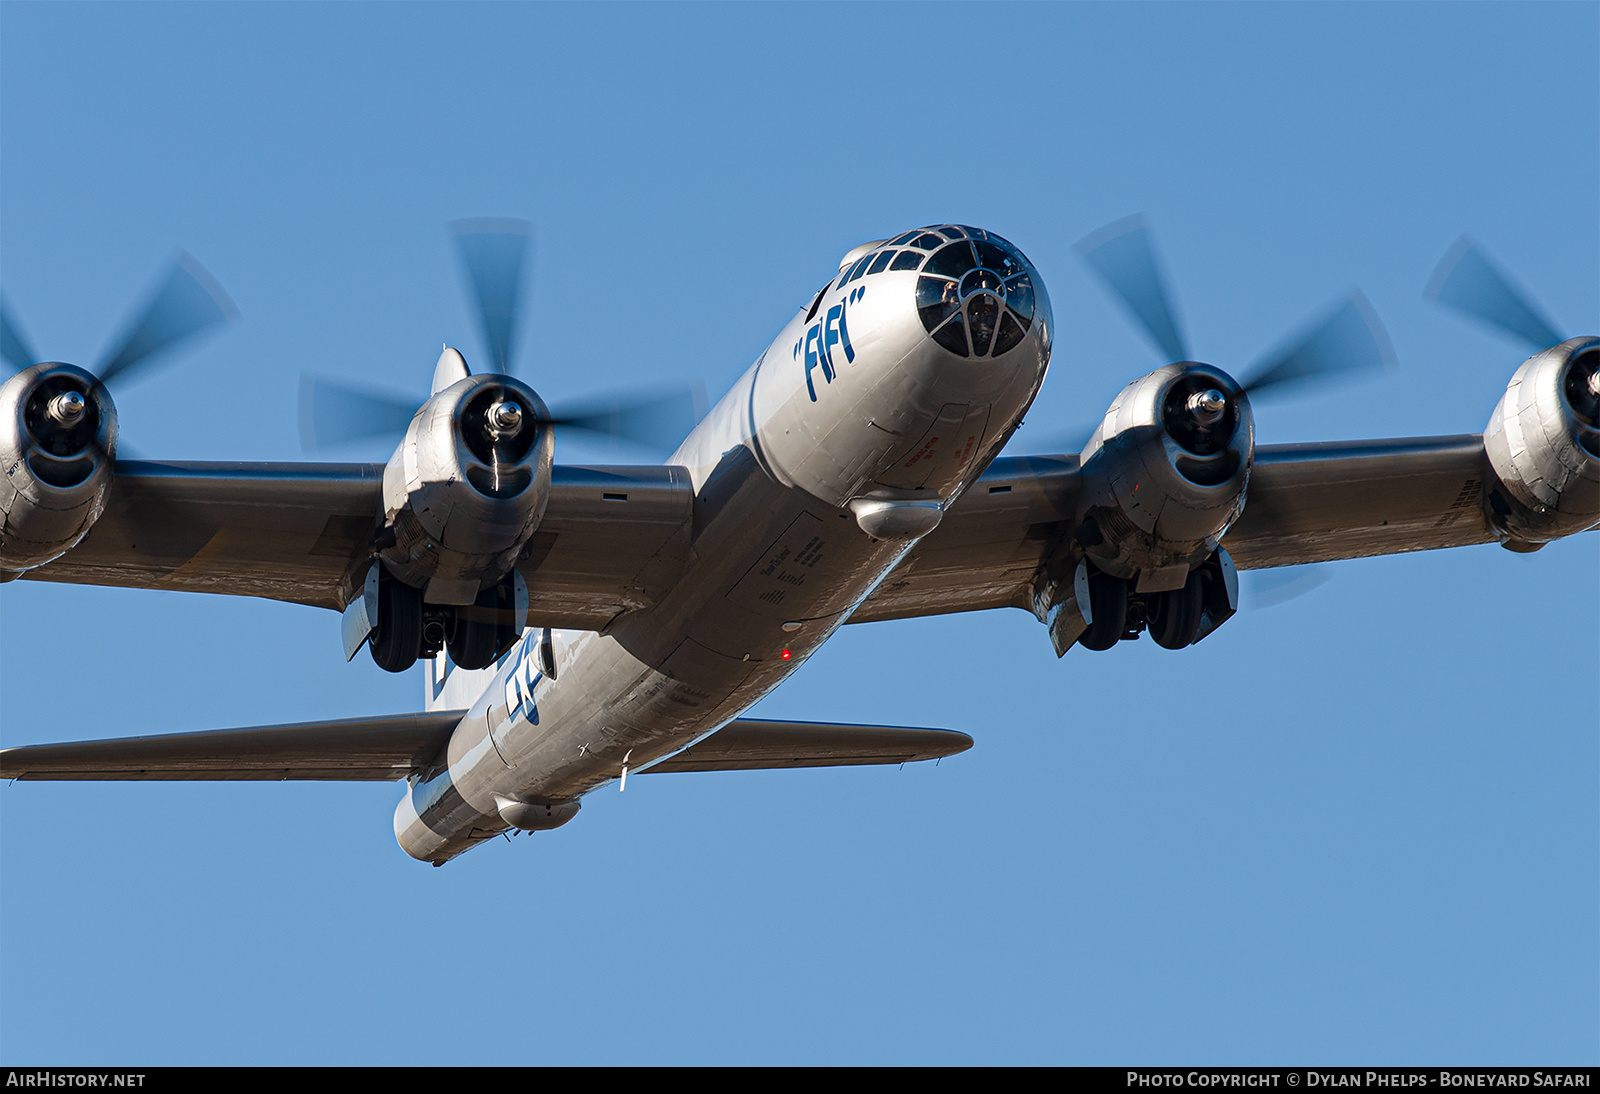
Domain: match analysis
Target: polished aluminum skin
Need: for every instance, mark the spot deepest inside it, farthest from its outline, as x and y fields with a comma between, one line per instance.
x=58, y=436
x=1543, y=442
x=466, y=488
x=1166, y=474
x=854, y=400
x=850, y=475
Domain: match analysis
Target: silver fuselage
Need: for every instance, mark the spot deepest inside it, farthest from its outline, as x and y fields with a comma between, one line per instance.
x=853, y=402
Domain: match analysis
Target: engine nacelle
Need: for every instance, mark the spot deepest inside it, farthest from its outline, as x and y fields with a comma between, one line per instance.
x=466, y=489
x=1543, y=443
x=1165, y=474
x=58, y=436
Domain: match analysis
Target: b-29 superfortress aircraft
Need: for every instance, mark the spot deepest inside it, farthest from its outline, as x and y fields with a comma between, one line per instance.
x=581, y=623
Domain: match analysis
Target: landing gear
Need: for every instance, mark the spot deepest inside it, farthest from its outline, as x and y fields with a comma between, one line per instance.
x=1174, y=616
x=1108, y=604
x=397, y=641
x=479, y=634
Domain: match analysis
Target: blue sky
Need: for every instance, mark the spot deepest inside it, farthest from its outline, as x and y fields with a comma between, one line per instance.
x=1361, y=826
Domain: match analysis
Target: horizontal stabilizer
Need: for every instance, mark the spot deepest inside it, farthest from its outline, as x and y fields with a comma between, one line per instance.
x=391, y=747
x=356, y=749
x=748, y=744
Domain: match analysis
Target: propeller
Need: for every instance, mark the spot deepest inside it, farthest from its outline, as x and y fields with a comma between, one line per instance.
x=1348, y=338
x=1469, y=282
x=494, y=255
x=333, y=414
x=185, y=302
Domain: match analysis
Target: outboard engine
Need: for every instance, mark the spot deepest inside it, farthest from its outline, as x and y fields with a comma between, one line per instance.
x=58, y=436
x=1543, y=444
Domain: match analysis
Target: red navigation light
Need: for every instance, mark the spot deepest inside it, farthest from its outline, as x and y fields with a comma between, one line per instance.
x=785, y=655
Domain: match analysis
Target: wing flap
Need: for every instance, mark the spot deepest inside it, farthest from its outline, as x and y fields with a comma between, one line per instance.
x=357, y=749
x=748, y=744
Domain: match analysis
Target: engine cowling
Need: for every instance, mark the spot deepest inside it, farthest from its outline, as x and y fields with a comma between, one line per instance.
x=467, y=487
x=58, y=435
x=1543, y=444
x=1165, y=474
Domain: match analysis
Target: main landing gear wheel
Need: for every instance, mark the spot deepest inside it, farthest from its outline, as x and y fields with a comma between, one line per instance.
x=397, y=642
x=1175, y=615
x=1108, y=604
x=478, y=634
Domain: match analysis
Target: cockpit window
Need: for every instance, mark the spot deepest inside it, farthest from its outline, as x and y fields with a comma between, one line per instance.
x=937, y=300
x=882, y=263
x=928, y=242
x=907, y=260
x=953, y=337
x=902, y=240
x=953, y=261
x=816, y=302
x=854, y=271
x=1002, y=263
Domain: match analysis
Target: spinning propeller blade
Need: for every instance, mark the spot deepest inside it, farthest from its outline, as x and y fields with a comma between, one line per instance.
x=187, y=302
x=1350, y=338
x=1124, y=257
x=1466, y=280
x=656, y=420
x=332, y=414
x=14, y=346
x=494, y=254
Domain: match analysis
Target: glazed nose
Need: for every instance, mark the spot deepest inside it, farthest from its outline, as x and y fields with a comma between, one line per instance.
x=975, y=299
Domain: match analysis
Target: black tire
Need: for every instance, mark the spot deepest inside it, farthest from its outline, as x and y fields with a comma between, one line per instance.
x=1175, y=616
x=478, y=634
x=1108, y=604
x=397, y=643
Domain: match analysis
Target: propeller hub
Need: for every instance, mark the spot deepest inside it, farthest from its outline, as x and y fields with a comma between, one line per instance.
x=505, y=419
x=1207, y=407
x=67, y=409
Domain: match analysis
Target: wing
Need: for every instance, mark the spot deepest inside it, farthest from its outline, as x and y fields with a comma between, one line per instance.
x=392, y=747
x=300, y=532
x=1306, y=503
